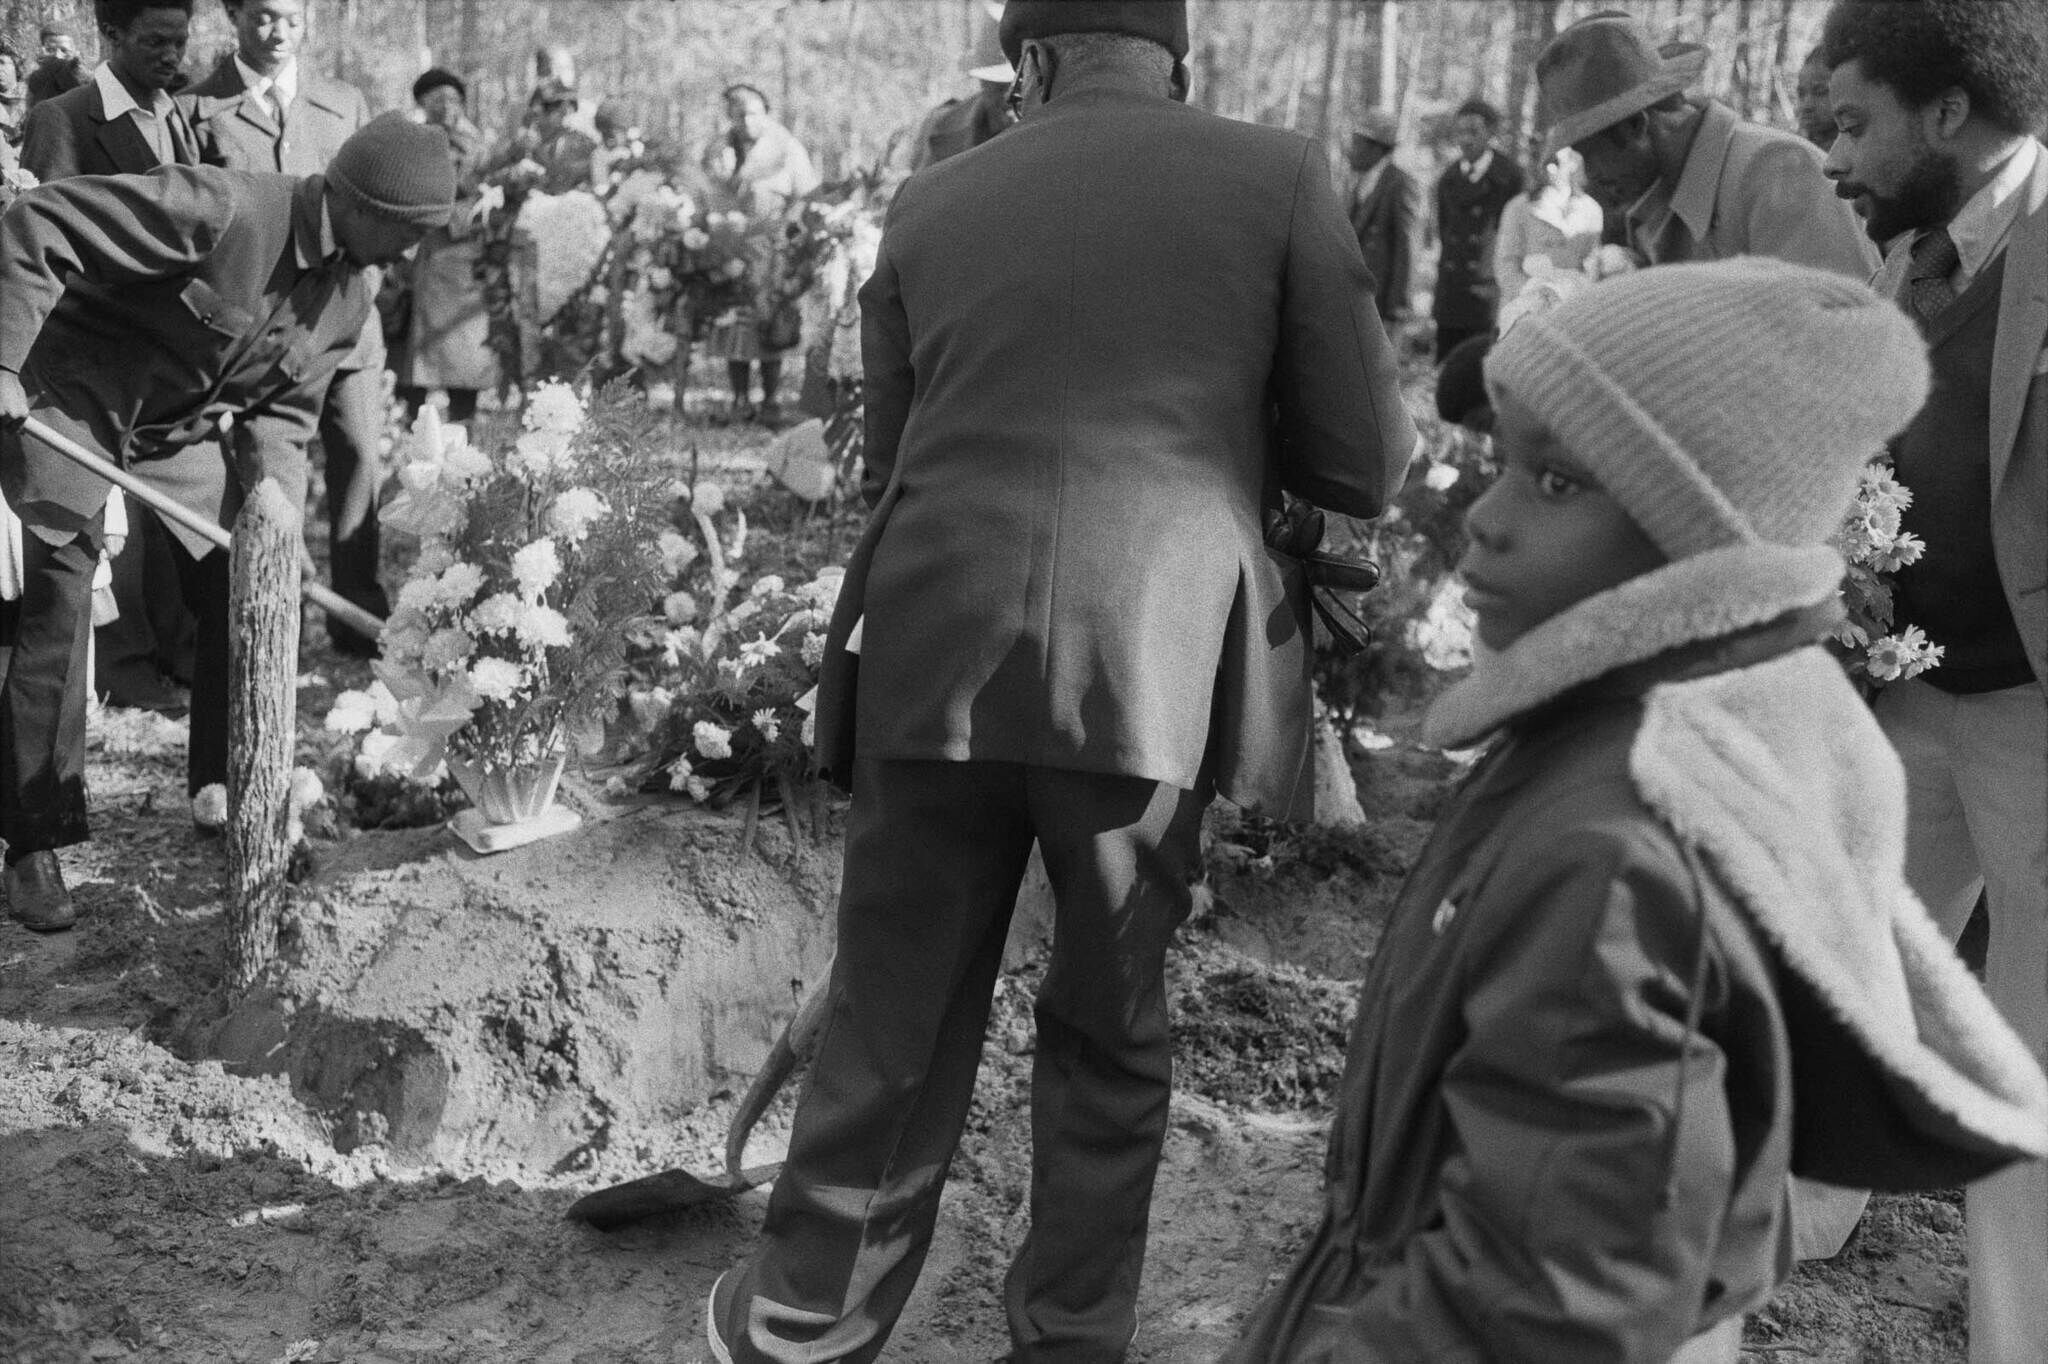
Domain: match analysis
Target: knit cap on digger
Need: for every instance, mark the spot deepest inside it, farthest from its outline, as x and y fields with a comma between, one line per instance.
x=1722, y=403
x=397, y=169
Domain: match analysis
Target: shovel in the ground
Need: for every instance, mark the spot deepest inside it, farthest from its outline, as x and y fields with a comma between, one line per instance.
x=673, y=1190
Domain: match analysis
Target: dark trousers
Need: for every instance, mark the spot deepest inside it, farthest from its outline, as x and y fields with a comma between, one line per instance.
x=351, y=423
x=43, y=699
x=1447, y=338
x=935, y=852
x=154, y=634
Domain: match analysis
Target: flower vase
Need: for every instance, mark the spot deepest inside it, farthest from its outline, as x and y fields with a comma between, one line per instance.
x=510, y=806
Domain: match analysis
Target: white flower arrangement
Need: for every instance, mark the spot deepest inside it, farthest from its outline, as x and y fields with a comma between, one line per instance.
x=1875, y=545
x=508, y=634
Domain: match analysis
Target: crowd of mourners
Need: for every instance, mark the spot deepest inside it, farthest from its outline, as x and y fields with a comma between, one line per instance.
x=1674, y=982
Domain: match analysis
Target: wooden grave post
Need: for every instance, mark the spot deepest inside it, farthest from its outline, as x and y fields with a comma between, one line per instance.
x=263, y=656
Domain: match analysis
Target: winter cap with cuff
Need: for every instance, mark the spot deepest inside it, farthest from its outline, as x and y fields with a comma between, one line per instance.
x=396, y=169
x=1722, y=403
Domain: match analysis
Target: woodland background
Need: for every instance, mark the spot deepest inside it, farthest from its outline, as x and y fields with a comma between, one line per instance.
x=848, y=74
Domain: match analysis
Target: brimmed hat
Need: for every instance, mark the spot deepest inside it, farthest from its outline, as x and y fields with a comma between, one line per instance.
x=437, y=78
x=1601, y=70
x=1163, y=21
x=1378, y=125
x=989, y=63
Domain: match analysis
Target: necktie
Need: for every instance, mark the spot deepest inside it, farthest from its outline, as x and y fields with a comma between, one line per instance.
x=273, y=103
x=1928, y=290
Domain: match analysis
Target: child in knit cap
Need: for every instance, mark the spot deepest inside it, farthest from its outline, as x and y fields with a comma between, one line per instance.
x=1660, y=950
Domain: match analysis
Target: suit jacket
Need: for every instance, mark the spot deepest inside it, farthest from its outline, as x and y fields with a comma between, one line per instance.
x=2019, y=414
x=1386, y=222
x=954, y=127
x=236, y=130
x=1467, y=216
x=1750, y=190
x=71, y=134
x=141, y=309
x=1094, y=351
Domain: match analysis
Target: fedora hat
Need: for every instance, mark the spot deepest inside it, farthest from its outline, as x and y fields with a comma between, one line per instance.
x=989, y=64
x=1378, y=125
x=1603, y=69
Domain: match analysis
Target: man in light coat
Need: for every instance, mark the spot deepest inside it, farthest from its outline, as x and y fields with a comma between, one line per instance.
x=1936, y=102
x=1691, y=180
x=1096, y=350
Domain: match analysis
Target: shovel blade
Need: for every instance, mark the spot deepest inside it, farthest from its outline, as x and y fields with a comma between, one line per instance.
x=622, y=1205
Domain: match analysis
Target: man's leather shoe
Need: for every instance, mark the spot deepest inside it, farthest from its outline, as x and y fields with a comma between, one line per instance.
x=36, y=895
x=151, y=690
x=712, y=1332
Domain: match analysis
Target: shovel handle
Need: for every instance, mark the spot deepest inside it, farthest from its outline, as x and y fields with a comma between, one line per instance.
x=343, y=610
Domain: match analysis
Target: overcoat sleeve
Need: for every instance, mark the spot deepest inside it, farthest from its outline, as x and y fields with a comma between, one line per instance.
x=1595, y=1145
x=1793, y=213
x=887, y=383
x=108, y=229
x=49, y=144
x=1344, y=434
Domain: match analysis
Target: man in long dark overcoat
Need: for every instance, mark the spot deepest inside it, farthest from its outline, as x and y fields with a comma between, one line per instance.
x=141, y=311
x=1385, y=206
x=1096, y=351
x=264, y=109
x=1470, y=195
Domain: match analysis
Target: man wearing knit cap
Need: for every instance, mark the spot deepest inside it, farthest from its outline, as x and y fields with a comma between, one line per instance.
x=1692, y=181
x=142, y=311
x=1939, y=103
x=263, y=108
x=1660, y=951
x=1097, y=349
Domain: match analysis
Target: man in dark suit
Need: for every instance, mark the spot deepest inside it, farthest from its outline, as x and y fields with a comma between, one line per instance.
x=141, y=311
x=1386, y=212
x=263, y=109
x=1096, y=350
x=1470, y=195
x=122, y=122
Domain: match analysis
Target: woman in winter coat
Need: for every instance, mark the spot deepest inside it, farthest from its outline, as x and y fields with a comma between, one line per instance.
x=1557, y=223
x=1660, y=949
x=447, y=330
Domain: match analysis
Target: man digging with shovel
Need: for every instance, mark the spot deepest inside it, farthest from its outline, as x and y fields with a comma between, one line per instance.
x=143, y=314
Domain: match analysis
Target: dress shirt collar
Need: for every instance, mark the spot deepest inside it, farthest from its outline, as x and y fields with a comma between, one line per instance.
x=117, y=100
x=285, y=82
x=1475, y=171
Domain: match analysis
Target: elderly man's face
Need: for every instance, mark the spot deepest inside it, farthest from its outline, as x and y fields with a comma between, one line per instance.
x=1620, y=162
x=367, y=238
x=1885, y=159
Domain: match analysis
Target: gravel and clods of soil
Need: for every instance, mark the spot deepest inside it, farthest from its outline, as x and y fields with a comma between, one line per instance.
x=453, y=1050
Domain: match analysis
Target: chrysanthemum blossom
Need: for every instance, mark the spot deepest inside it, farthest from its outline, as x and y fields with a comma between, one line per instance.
x=572, y=514
x=555, y=407
x=542, y=627
x=712, y=741
x=536, y=567
x=497, y=614
x=765, y=722
x=497, y=679
x=352, y=713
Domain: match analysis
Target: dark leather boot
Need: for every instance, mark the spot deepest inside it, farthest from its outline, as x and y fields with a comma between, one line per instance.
x=36, y=895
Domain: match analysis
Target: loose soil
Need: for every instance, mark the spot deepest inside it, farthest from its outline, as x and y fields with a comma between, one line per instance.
x=156, y=1206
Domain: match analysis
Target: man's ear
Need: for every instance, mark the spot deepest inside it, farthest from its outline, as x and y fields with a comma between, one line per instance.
x=1181, y=82
x=1947, y=112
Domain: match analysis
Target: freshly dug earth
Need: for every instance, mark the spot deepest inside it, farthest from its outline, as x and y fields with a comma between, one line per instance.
x=154, y=1207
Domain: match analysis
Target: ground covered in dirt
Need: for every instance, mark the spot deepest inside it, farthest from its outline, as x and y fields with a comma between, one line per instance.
x=155, y=1207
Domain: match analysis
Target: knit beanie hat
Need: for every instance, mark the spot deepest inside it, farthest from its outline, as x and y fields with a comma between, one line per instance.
x=1723, y=403
x=397, y=169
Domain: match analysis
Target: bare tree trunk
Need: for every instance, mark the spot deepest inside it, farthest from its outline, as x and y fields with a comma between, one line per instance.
x=471, y=58
x=263, y=655
x=1390, y=94
x=1535, y=25
x=1333, y=53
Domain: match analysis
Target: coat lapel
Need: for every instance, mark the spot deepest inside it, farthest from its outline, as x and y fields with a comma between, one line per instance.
x=2022, y=321
x=122, y=142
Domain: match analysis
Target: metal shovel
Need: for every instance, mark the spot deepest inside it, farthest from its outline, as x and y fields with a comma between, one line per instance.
x=673, y=1190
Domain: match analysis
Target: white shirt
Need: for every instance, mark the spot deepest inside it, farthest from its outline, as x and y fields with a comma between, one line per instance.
x=153, y=122
x=285, y=83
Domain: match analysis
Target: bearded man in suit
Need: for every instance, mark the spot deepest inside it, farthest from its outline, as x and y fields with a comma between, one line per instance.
x=1096, y=351
x=263, y=109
